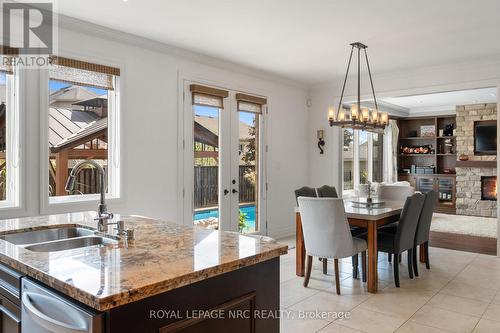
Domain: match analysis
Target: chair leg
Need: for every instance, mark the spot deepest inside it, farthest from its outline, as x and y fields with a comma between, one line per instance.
x=325, y=265
x=389, y=257
x=427, y=263
x=400, y=256
x=308, y=270
x=415, y=261
x=337, y=276
x=410, y=263
x=396, y=269
x=355, y=266
x=363, y=265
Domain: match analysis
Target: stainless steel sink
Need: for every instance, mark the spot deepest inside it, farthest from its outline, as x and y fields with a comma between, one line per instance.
x=68, y=244
x=46, y=235
x=57, y=239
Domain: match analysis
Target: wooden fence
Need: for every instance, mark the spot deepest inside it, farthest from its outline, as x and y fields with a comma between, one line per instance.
x=87, y=182
x=206, y=185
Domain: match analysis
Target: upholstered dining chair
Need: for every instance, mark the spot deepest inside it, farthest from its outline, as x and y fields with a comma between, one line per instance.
x=395, y=192
x=326, y=191
x=305, y=191
x=403, y=239
x=327, y=234
x=424, y=228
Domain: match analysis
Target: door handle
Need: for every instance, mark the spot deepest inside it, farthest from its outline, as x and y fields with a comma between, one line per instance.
x=44, y=321
x=226, y=192
x=234, y=191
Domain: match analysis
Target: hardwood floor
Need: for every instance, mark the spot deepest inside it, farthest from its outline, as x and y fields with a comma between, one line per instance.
x=468, y=243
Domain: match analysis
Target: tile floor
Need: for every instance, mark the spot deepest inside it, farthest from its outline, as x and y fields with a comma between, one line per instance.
x=460, y=293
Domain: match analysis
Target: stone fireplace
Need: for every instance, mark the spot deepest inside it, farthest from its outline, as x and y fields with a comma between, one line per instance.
x=489, y=188
x=475, y=183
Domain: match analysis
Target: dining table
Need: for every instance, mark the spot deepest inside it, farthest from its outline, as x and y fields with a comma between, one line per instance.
x=358, y=215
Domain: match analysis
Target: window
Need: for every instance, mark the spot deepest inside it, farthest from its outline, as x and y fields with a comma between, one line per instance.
x=82, y=124
x=9, y=135
x=362, y=158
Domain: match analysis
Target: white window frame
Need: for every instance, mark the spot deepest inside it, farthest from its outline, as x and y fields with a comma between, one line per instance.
x=13, y=154
x=356, y=162
x=56, y=204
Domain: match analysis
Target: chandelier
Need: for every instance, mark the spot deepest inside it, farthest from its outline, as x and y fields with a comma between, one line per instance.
x=358, y=117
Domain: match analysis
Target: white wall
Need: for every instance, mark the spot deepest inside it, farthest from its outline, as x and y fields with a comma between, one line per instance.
x=150, y=81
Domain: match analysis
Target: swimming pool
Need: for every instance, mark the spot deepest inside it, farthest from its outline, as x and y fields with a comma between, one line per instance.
x=248, y=210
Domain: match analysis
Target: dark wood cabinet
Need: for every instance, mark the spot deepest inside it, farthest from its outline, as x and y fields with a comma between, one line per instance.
x=252, y=292
x=10, y=300
x=10, y=316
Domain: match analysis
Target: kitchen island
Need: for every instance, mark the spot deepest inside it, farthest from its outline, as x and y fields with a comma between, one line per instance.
x=168, y=278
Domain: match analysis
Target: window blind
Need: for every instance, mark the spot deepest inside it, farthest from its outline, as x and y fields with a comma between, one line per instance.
x=249, y=103
x=82, y=73
x=6, y=55
x=208, y=96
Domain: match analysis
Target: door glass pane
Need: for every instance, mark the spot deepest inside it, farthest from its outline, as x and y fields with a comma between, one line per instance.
x=206, y=166
x=248, y=149
x=377, y=158
x=3, y=136
x=348, y=155
x=363, y=157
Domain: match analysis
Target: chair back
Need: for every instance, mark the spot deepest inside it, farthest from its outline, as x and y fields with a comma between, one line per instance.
x=326, y=191
x=325, y=227
x=424, y=222
x=407, y=226
x=395, y=192
x=305, y=191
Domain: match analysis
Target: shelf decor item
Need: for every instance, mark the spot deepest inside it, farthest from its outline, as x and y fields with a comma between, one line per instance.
x=427, y=130
x=358, y=117
x=427, y=149
x=463, y=157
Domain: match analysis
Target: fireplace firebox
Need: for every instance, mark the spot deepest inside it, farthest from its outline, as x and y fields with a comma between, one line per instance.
x=489, y=188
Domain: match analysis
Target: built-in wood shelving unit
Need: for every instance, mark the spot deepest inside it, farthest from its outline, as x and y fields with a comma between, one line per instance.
x=444, y=161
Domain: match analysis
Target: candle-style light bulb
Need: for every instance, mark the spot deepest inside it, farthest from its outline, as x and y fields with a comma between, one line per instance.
x=331, y=113
x=354, y=111
x=365, y=114
x=375, y=116
x=385, y=118
x=341, y=115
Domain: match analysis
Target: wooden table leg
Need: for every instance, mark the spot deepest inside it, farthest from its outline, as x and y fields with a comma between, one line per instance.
x=372, y=257
x=300, y=249
x=422, y=253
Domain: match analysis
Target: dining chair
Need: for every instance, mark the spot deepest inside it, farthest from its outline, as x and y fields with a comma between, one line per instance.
x=395, y=192
x=327, y=191
x=403, y=239
x=327, y=234
x=305, y=191
x=424, y=228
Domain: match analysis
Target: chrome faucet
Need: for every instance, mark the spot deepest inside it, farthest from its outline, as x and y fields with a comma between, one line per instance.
x=103, y=214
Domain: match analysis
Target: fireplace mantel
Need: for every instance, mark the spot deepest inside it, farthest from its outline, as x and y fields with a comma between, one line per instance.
x=477, y=164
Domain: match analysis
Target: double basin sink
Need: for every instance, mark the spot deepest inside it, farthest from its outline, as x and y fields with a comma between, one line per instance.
x=57, y=239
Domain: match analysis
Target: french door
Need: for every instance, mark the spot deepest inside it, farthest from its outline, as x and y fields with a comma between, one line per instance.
x=223, y=160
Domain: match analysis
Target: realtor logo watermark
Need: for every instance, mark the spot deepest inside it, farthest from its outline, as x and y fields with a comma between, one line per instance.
x=30, y=27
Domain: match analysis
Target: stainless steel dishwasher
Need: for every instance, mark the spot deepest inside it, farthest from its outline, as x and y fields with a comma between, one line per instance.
x=45, y=311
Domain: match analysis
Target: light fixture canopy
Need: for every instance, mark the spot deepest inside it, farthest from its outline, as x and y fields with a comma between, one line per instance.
x=359, y=118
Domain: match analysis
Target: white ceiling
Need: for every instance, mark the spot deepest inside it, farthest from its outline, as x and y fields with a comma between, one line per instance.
x=437, y=103
x=308, y=40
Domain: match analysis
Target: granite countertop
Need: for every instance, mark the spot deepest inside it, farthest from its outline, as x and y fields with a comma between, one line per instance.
x=162, y=256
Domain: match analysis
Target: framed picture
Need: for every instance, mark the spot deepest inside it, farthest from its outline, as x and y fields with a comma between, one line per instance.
x=428, y=130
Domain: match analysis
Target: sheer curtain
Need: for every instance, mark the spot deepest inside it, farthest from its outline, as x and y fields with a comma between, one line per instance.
x=391, y=133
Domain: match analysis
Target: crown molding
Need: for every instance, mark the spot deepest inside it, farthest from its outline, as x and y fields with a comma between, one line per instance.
x=478, y=65
x=88, y=28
